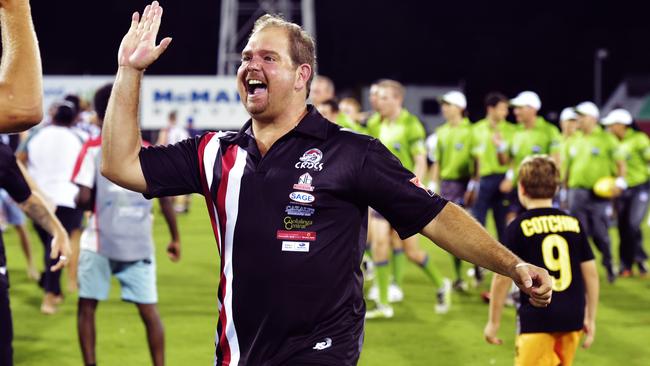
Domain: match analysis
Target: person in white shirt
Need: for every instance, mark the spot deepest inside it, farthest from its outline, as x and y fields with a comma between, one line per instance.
x=50, y=156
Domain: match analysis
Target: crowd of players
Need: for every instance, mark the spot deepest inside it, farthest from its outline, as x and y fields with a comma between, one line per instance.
x=491, y=164
x=471, y=164
x=475, y=166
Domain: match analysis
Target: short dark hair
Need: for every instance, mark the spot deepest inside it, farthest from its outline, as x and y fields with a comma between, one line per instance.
x=64, y=114
x=100, y=100
x=75, y=100
x=332, y=103
x=302, y=46
x=539, y=176
x=494, y=98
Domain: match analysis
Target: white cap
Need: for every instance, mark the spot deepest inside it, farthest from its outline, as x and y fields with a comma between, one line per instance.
x=456, y=98
x=588, y=109
x=568, y=114
x=527, y=99
x=617, y=116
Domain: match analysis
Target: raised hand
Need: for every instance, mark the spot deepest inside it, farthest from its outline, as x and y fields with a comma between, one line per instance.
x=138, y=49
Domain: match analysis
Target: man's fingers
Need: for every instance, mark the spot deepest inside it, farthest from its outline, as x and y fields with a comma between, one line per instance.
x=164, y=43
x=155, y=22
x=145, y=15
x=135, y=19
x=57, y=266
x=153, y=8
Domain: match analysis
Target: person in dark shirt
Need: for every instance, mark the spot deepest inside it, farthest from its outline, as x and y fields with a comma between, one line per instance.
x=287, y=196
x=13, y=181
x=550, y=238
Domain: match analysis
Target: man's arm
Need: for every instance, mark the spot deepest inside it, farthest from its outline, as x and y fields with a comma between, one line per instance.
x=121, y=139
x=458, y=233
x=174, y=247
x=35, y=208
x=21, y=86
x=592, y=288
x=498, y=294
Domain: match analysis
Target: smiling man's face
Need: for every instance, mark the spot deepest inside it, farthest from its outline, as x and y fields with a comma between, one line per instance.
x=266, y=79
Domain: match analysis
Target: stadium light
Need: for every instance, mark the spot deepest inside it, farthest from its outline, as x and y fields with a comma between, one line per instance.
x=600, y=55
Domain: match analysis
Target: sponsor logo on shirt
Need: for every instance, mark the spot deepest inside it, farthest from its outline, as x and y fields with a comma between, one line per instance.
x=327, y=343
x=296, y=235
x=295, y=246
x=459, y=146
x=304, y=183
x=302, y=197
x=536, y=149
x=291, y=223
x=295, y=210
x=311, y=160
x=595, y=151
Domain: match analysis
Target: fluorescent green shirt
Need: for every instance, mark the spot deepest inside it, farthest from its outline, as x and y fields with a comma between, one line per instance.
x=591, y=157
x=453, y=151
x=484, y=149
x=565, y=144
x=542, y=138
x=404, y=137
x=346, y=122
x=635, y=150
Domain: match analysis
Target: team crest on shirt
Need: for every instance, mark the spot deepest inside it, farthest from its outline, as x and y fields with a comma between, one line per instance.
x=311, y=160
x=304, y=183
x=536, y=149
x=459, y=146
x=595, y=151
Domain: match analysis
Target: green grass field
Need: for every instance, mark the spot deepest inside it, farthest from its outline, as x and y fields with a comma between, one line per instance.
x=187, y=291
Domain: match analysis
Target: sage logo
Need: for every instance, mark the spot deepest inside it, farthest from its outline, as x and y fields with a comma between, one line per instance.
x=302, y=197
x=311, y=160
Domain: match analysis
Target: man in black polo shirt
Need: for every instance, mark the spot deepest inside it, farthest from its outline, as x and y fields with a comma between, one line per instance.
x=287, y=195
x=12, y=180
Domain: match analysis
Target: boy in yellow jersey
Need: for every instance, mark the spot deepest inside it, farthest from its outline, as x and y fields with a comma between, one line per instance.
x=550, y=238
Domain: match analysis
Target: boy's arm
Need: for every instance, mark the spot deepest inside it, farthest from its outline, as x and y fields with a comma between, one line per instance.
x=592, y=288
x=498, y=293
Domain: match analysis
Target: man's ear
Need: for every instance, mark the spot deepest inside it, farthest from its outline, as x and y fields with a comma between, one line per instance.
x=303, y=73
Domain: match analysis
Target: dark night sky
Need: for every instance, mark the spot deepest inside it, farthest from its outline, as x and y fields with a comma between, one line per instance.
x=486, y=45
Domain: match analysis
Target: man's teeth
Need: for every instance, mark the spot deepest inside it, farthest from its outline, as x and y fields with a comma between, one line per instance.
x=254, y=82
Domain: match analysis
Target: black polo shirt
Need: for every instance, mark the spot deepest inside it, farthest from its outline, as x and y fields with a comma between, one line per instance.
x=288, y=226
x=551, y=239
x=12, y=180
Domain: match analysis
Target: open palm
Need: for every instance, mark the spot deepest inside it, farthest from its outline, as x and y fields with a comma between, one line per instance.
x=138, y=48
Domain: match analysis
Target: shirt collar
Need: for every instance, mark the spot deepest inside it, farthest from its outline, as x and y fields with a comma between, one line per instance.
x=312, y=124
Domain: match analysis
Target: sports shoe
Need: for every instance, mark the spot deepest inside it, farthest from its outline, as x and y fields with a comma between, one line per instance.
x=373, y=293
x=443, y=297
x=380, y=312
x=395, y=293
x=460, y=286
